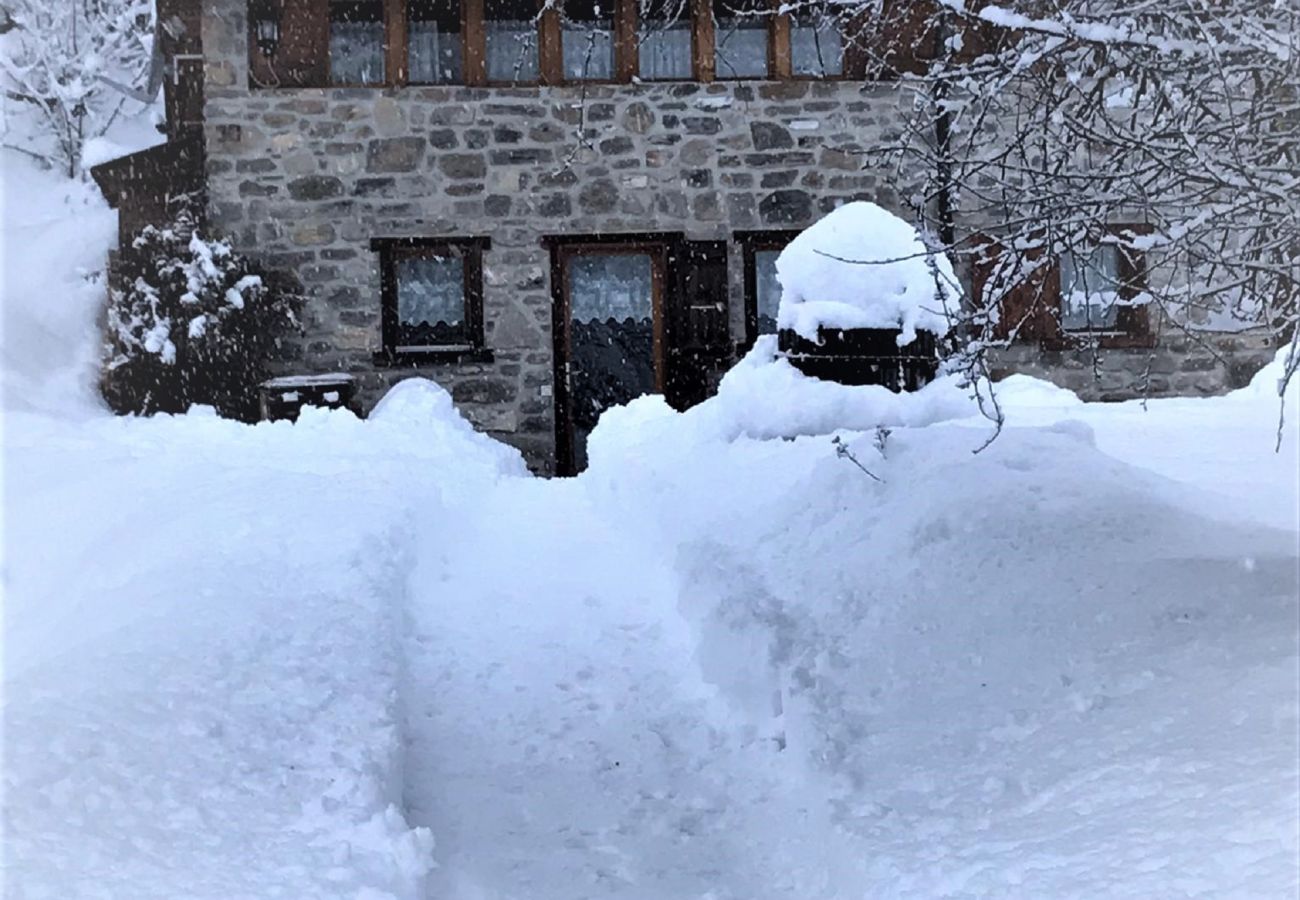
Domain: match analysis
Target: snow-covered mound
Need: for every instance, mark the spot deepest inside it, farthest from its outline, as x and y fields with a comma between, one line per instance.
x=202, y=629
x=54, y=241
x=861, y=266
x=996, y=668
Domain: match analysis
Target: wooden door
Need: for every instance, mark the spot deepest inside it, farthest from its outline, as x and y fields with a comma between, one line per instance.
x=610, y=343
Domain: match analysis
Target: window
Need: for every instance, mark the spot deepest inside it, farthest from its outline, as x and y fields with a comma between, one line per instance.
x=587, y=38
x=356, y=50
x=1101, y=292
x=816, y=44
x=762, y=290
x=476, y=42
x=432, y=296
x=1090, y=289
x=664, y=40
x=767, y=290
x=510, y=31
x=433, y=34
x=740, y=38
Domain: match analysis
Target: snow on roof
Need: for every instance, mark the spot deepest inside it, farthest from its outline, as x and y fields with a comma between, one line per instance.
x=861, y=266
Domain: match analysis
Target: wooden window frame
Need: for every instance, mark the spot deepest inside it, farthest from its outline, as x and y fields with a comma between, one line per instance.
x=1132, y=328
x=391, y=250
x=1033, y=308
x=751, y=244
x=626, y=29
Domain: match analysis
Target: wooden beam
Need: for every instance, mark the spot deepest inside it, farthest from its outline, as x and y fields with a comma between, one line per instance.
x=551, y=45
x=395, y=43
x=779, y=63
x=702, y=36
x=626, y=61
x=474, y=48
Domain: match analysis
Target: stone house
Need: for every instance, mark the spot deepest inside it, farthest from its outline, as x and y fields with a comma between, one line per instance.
x=549, y=212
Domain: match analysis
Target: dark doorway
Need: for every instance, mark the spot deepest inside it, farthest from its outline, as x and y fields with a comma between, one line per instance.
x=632, y=315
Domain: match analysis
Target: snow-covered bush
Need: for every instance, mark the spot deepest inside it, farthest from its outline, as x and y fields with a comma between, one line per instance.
x=65, y=64
x=193, y=323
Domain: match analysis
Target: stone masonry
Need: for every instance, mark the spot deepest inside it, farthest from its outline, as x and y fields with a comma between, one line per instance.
x=305, y=178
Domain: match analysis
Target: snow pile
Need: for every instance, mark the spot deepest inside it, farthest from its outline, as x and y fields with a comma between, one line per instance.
x=993, y=669
x=54, y=241
x=863, y=267
x=203, y=647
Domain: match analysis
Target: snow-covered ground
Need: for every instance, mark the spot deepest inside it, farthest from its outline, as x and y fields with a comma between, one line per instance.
x=377, y=659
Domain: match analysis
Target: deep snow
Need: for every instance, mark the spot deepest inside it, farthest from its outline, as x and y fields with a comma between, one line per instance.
x=376, y=659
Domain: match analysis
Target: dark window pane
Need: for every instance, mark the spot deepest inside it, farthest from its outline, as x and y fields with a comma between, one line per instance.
x=816, y=45
x=588, y=40
x=431, y=301
x=740, y=38
x=511, y=30
x=433, y=38
x=356, y=41
x=664, y=38
x=767, y=289
x=611, y=336
x=1090, y=289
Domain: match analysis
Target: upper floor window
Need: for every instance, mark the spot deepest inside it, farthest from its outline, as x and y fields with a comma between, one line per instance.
x=816, y=43
x=434, y=42
x=588, y=40
x=740, y=38
x=393, y=42
x=665, y=40
x=356, y=51
x=510, y=29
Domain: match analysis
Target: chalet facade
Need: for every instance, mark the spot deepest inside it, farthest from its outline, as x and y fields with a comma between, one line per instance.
x=548, y=213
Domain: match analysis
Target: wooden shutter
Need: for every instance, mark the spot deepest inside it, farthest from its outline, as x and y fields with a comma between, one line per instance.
x=1027, y=310
x=1134, y=321
x=698, y=333
x=302, y=58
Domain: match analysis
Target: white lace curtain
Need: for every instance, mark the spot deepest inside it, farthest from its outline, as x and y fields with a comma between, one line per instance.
x=434, y=56
x=511, y=50
x=605, y=286
x=665, y=51
x=356, y=52
x=588, y=51
x=431, y=291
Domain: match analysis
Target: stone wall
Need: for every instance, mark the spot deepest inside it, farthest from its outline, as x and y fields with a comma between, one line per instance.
x=306, y=178
x=1182, y=363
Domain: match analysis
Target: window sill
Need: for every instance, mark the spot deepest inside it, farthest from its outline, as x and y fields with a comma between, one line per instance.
x=1103, y=340
x=432, y=356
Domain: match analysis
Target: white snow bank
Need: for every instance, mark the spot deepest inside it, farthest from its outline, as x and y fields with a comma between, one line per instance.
x=202, y=626
x=55, y=235
x=990, y=665
x=861, y=266
x=764, y=397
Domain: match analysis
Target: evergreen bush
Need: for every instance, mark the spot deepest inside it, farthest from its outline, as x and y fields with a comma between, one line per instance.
x=192, y=322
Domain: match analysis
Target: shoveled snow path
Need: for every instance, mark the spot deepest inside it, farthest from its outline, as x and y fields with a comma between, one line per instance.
x=558, y=744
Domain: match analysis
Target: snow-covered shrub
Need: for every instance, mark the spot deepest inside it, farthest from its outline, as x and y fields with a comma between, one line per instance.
x=192, y=323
